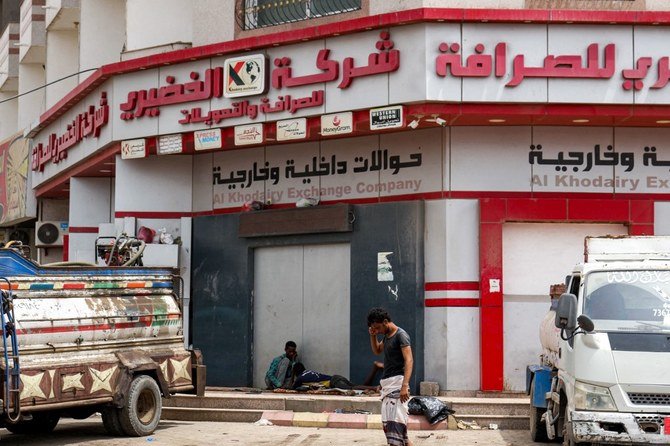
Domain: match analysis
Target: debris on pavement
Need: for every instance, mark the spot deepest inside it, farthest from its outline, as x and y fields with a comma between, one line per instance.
x=263, y=422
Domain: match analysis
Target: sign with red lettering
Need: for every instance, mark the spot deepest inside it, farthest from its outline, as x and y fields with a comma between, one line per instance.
x=248, y=134
x=85, y=125
x=246, y=76
x=337, y=124
x=133, y=148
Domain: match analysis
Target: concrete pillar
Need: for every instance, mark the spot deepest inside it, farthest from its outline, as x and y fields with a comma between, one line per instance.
x=62, y=60
x=90, y=205
x=30, y=105
x=102, y=33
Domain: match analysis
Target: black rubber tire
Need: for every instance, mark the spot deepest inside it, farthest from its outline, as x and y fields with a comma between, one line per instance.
x=42, y=423
x=538, y=428
x=142, y=411
x=111, y=419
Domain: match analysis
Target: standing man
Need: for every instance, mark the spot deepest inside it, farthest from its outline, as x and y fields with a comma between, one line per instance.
x=280, y=372
x=398, y=363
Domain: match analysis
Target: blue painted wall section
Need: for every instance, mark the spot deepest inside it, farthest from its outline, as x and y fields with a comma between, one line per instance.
x=222, y=293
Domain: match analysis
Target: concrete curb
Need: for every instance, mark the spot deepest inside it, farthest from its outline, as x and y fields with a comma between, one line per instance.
x=347, y=420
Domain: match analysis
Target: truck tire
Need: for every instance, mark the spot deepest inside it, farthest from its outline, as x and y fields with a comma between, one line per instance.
x=142, y=411
x=538, y=429
x=42, y=423
x=112, y=421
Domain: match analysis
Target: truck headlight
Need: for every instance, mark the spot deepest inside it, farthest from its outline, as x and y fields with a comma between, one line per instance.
x=590, y=397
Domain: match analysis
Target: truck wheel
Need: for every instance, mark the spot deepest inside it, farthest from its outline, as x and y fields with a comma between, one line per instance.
x=142, y=411
x=112, y=421
x=538, y=428
x=42, y=423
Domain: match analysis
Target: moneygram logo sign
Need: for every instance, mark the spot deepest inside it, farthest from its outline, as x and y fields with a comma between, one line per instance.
x=337, y=124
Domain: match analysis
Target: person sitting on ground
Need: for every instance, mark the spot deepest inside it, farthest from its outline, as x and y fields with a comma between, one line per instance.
x=280, y=372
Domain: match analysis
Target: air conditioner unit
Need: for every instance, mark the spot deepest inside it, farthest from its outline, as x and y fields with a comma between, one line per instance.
x=50, y=233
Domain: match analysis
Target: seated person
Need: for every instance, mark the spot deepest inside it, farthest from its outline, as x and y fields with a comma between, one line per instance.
x=280, y=372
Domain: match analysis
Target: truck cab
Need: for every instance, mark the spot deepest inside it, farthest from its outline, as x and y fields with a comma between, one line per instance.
x=608, y=381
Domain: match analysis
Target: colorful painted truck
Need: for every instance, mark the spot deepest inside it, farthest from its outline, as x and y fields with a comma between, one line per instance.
x=604, y=371
x=84, y=339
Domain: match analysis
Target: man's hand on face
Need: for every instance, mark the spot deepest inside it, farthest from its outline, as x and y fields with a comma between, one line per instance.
x=404, y=393
x=372, y=331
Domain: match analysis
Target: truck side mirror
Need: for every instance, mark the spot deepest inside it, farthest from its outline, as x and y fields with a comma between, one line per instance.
x=585, y=323
x=566, y=312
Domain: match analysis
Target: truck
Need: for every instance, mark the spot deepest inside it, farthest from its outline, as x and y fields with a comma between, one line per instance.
x=603, y=375
x=84, y=339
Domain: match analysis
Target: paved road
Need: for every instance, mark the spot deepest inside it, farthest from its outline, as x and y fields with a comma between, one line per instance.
x=177, y=433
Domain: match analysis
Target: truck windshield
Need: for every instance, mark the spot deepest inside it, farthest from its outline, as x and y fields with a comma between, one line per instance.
x=636, y=301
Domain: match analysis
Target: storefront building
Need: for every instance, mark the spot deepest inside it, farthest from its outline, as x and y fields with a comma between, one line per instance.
x=459, y=158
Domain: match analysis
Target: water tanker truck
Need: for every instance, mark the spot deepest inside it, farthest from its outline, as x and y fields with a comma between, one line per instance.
x=84, y=339
x=604, y=372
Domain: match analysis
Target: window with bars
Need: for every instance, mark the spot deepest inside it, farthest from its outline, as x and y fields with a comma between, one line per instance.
x=263, y=13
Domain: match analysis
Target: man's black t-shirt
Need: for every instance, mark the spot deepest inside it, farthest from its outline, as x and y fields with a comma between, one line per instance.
x=394, y=363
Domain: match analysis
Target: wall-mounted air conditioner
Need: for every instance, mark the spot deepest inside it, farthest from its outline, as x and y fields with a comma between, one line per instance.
x=50, y=233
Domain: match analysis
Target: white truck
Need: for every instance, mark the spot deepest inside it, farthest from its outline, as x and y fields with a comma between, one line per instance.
x=604, y=373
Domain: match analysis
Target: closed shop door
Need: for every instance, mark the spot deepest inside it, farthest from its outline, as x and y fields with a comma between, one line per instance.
x=535, y=256
x=302, y=294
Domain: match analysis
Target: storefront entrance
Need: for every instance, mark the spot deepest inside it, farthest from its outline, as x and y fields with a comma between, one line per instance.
x=302, y=294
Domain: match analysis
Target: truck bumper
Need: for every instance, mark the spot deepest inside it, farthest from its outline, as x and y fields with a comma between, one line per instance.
x=619, y=428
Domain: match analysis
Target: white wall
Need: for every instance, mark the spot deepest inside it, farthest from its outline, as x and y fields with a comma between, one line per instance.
x=535, y=256
x=384, y=6
x=90, y=205
x=213, y=21
x=158, y=22
x=451, y=335
x=8, y=114
x=31, y=105
x=100, y=43
x=62, y=60
x=156, y=184
x=662, y=218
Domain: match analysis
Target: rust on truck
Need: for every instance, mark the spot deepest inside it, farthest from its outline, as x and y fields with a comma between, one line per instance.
x=92, y=339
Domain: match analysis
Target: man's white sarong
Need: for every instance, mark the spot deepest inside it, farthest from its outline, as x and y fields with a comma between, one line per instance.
x=394, y=413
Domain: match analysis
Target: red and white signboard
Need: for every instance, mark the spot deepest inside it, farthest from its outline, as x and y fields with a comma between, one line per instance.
x=170, y=144
x=133, y=148
x=337, y=124
x=248, y=134
x=207, y=139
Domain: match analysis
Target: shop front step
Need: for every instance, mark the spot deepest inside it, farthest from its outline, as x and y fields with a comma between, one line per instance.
x=210, y=414
x=504, y=413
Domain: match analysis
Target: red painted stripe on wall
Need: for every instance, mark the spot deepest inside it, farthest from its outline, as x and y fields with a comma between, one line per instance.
x=451, y=286
x=452, y=302
x=83, y=230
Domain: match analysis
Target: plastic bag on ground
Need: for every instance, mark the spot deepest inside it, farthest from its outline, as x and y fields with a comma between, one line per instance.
x=434, y=409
